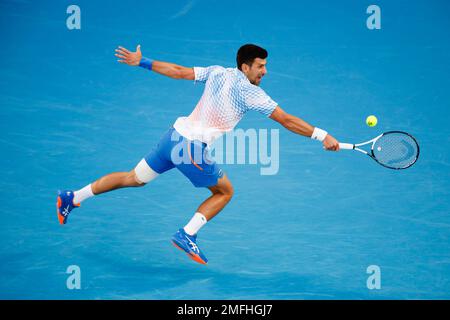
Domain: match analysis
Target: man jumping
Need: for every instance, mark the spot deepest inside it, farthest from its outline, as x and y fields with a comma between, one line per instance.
x=229, y=93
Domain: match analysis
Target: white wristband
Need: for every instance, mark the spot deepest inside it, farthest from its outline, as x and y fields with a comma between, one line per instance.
x=319, y=134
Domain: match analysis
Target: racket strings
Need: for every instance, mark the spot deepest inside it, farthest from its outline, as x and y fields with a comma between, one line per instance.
x=396, y=150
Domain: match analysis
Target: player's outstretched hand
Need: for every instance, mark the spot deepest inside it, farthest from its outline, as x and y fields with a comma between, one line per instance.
x=330, y=143
x=128, y=57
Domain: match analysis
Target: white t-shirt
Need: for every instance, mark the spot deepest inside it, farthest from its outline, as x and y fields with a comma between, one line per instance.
x=228, y=95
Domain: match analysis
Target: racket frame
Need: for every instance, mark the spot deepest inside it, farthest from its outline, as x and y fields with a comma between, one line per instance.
x=350, y=146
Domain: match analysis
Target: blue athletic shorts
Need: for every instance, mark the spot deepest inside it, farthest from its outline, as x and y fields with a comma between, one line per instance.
x=191, y=157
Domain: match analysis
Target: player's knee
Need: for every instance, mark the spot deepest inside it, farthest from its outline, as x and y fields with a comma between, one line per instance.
x=133, y=179
x=228, y=197
x=230, y=192
x=143, y=174
x=227, y=192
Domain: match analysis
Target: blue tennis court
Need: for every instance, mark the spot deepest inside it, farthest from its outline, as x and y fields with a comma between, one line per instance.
x=70, y=113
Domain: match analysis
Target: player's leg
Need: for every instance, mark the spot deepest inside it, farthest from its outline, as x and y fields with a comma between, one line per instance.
x=205, y=173
x=68, y=200
x=137, y=177
x=154, y=164
x=222, y=193
x=186, y=238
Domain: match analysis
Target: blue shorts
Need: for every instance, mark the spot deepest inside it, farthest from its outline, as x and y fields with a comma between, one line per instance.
x=190, y=157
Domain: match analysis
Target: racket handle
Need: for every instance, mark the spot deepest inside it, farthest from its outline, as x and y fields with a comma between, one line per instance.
x=348, y=146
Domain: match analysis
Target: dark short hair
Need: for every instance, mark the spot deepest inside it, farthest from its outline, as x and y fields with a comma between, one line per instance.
x=248, y=53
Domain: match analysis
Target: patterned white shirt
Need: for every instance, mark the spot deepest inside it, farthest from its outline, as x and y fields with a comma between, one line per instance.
x=228, y=95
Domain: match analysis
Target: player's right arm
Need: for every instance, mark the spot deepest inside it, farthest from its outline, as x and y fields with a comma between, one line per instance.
x=170, y=70
x=299, y=126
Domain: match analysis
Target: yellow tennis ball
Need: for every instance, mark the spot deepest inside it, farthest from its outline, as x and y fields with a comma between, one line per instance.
x=371, y=121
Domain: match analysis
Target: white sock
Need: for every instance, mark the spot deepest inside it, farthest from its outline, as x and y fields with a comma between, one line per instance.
x=83, y=194
x=197, y=221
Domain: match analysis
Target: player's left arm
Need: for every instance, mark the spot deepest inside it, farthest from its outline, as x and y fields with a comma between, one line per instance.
x=168, y=69
x=301, y=127
x=173, y=71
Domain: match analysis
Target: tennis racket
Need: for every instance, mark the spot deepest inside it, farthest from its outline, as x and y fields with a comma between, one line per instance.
x=393, y=149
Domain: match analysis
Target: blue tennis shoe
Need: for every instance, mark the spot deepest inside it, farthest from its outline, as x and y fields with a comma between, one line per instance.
x=188, y=244
x=64, y=205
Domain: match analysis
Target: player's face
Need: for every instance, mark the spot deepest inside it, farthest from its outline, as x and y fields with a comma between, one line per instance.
x=256, y=71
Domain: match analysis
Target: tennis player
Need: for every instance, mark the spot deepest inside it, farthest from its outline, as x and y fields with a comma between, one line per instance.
x=229, y=93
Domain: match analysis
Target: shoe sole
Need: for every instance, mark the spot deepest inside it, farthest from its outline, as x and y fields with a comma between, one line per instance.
x=58, y=205
x=191, y=255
